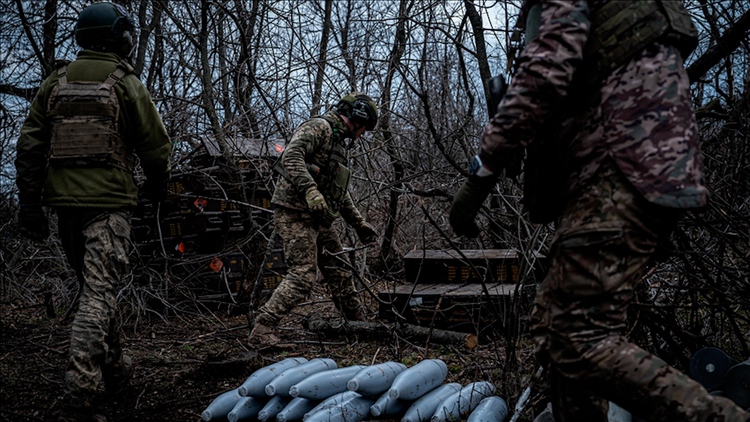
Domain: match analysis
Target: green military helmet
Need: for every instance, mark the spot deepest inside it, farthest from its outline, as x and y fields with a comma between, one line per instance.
x=359, y=108
x=106, y=27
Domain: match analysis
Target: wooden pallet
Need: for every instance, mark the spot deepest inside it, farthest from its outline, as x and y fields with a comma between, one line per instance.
x=466, y=266
x=450, y=306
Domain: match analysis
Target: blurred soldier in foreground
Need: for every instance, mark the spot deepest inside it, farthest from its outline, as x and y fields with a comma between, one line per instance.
x=601, y=101
x=76, y=155
x=312, y=191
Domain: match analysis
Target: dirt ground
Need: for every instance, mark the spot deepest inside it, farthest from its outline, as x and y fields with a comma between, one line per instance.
x=183, y=362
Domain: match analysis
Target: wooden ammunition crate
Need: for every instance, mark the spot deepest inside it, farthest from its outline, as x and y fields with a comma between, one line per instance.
x=271, y=280
x=236, y=223
x=194, y=224
x=449, y=306
x=275, y=260
x=234, y=264
x=186, y=246
x=200, y=204
x=468, y=266
x=227, y=271
x=260, y=201
x=211, y=274
x=274, y=268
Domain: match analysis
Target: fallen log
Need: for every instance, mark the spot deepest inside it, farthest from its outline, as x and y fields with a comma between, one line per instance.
x=338, y=326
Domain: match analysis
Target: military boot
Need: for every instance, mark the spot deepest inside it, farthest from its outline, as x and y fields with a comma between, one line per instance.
x=264, y=335
x=117, y=378
x=356, y=314
x=350, y=307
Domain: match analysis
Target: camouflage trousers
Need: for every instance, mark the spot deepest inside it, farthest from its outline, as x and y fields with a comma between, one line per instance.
x=607, y=236
x=97, y=244
x=307, y=248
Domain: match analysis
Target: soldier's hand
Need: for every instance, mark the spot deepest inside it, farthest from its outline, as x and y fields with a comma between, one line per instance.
x=316, y=202
x=366, y=233
x=32, y=223
x=466, y=204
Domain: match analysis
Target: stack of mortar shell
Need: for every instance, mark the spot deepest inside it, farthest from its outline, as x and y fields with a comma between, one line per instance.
x=316, y=390
x=199, y=219
x=722, y=375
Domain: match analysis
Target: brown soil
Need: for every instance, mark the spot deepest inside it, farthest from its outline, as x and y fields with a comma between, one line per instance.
x=182, y=363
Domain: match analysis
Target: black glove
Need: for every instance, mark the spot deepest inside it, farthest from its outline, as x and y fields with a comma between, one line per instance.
x=32, y=223
x=366, y=233
x=466, y=204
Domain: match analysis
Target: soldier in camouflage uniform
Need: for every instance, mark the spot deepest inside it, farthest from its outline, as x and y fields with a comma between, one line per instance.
x=633, y=167
x=75, y=154
x=312, y=191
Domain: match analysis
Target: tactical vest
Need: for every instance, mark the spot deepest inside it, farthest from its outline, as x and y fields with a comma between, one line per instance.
x=620, y=29
x=331, y=176
x=334, y=176
x=85, y=128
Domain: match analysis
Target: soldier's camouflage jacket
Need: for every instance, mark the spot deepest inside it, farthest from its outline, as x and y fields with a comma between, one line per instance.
x=105, y=187
x=311, y=144
x=640, y=115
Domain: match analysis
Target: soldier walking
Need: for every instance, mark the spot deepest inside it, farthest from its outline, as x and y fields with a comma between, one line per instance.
x=601, y=101
x=312, y=192
x=76, y=155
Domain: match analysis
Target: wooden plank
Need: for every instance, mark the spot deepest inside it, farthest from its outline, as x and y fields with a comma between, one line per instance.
x=452, y=306
x=467, y=266
x=405, y=289
x=504, y=289
x=495, y=289
x=471, y=254
x=424, y=289
x=469, y=290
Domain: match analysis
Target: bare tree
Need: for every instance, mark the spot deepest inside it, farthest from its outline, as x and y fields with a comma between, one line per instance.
x=321, y=63
x=256, y=70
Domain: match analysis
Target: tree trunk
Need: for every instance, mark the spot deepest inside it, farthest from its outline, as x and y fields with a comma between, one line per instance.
x=321, y=63
x=339, y=326
x=484, y=66
x=725, y=46
x=49, y=32
x=399, y=45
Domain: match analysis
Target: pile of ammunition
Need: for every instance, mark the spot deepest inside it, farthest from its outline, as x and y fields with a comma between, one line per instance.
x=722, y=375
x=198, y=232
x=317, y=390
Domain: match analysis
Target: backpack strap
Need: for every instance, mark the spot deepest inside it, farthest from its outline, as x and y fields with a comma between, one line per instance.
x=62, y=74
x=123, y=68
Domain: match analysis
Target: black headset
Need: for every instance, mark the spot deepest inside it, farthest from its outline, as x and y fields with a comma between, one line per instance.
x=124, y=28
x=362, y=111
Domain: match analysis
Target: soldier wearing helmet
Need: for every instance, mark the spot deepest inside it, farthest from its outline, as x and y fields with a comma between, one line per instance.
x=76, y=155
x=601, y=103
x=312, y=191
x=106, y=27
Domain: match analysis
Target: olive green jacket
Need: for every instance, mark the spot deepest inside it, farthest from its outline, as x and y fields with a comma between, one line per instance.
x=109, y=187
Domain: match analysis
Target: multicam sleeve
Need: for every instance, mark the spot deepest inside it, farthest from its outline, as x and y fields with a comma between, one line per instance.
x=305, y=141
x=545, y=72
